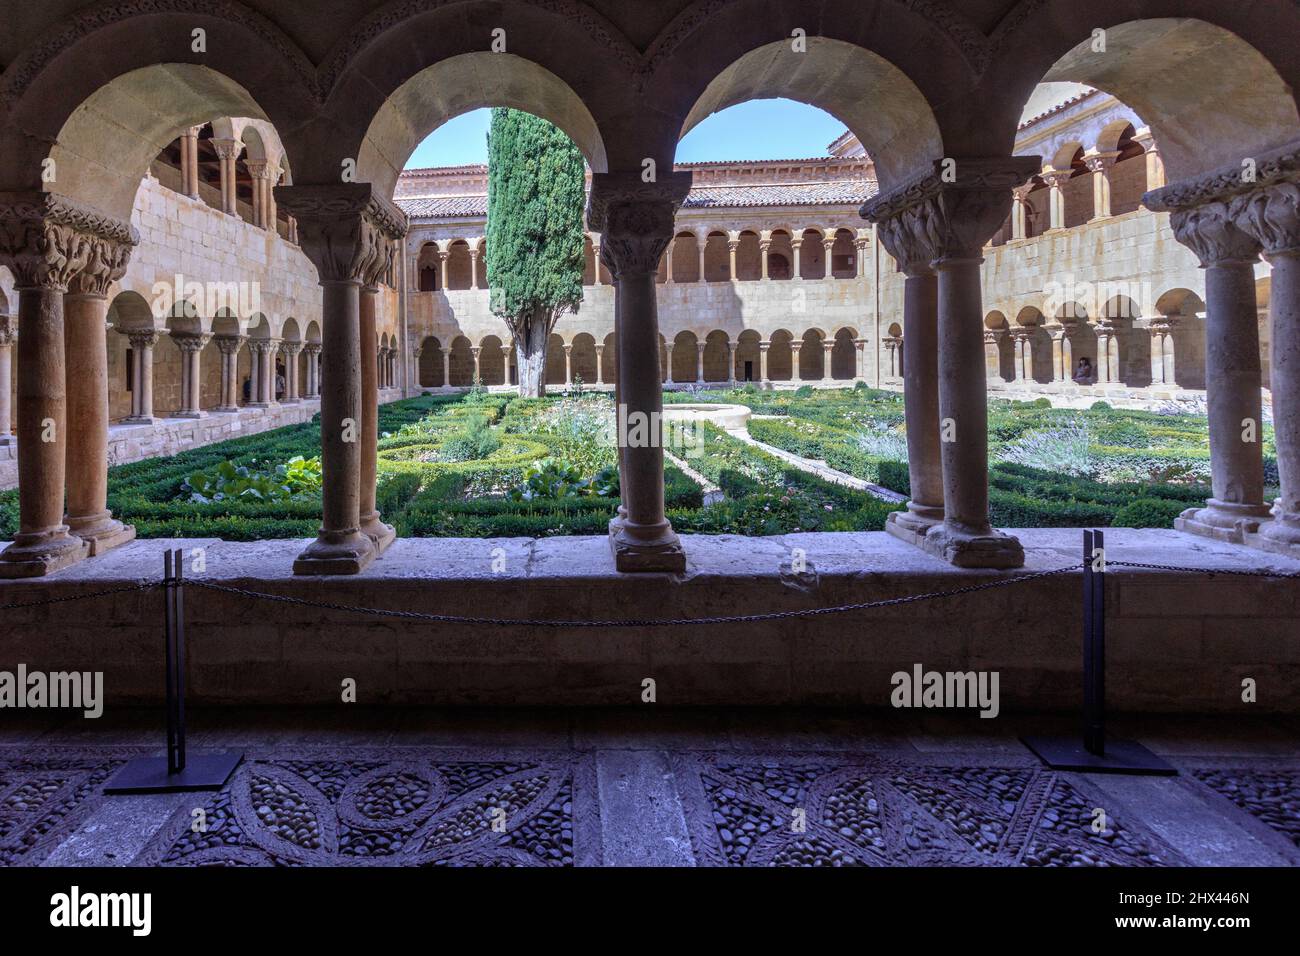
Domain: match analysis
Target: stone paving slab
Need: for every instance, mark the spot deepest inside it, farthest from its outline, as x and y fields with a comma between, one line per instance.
x=794, y=787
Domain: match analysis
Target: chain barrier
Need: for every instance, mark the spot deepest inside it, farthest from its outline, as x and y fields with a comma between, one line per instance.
x=648, y=622
x=1239, y=572
x=146, y=586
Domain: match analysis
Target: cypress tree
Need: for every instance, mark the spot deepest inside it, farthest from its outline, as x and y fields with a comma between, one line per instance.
x=535, y=236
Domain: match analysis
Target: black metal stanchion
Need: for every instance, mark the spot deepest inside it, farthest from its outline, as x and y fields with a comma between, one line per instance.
x=1095, y=753
x=177, y=771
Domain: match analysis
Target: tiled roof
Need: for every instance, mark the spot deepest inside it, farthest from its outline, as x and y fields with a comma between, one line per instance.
x=837, y=193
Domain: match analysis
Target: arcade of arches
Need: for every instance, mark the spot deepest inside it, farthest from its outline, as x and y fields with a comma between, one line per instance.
x=948, y=245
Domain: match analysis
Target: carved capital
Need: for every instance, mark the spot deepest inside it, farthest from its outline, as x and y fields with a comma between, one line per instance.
x=143, y=339
x=312, y=348
x=950, y=212
x=229, y=344
x=291, y=349
x=190, y=342
x=107, y=263
x=635, y=219
x=227, y=148
x=46, y=239
x=8, y=332
x=1277, y=166
x=1271, y=215
x=1212, y=233
x=345, y=229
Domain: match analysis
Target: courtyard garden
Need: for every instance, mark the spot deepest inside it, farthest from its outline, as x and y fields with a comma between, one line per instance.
x=489, y=465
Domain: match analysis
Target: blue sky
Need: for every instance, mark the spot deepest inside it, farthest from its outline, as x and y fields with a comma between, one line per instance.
x=759, y=129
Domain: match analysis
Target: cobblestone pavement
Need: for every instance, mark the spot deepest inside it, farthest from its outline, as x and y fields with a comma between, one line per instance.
x=708, y=788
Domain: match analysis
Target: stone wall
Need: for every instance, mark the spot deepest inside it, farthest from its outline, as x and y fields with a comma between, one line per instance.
x=1177, y=642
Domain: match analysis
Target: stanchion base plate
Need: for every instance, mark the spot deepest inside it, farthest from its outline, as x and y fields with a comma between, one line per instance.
x=1122, y=756
x=149, y=774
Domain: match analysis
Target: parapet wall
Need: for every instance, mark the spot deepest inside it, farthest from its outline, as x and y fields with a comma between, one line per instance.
x=1178, y=642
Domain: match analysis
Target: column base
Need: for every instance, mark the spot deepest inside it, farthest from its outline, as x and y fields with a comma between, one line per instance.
x=1223, y=520
x=36, y=555
x=226, y=410
x=102, y=532
x=915, y=523
x=189, y=414
x=257, y=405
x=963, y=548
x=141, y=420
x=381, y=535
x=634, y=556
x=348, y=552
x=1280, y=536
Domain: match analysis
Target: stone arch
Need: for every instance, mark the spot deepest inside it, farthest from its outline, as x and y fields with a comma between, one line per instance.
x=609, y=361
x=460, y=363
x=717, y=356
x=423, y=99
x=844, y=355
x=492, y=361
x=780, y=357
x=812, y=358
x=749, y=264
x=555, y=360
x=780, y=255
x=686, y=257
x=812, y=257
x=1239, y=105
x=429, y=373
x=875, y=99
x=717, y=257
x=583, y=358
x=460, y=275
x=999, y=352
x=428, y=267
x=685, y=356
x=748, y=358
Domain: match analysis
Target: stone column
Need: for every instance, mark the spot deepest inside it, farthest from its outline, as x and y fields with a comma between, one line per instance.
x=955, y=219
x=190, y=161
x=228, y=151
x=475, y=351
x=1232, y=372
x=446, y=366
x=731, y=363
x=993, y=355
x=473, y=268
x=764, y=248
x=415, y=366
x=1055, y=179
x=920, y=375
x=668, y=363
x=828, y=244
x=795, y=374
x=568, y=365
x=8, y=333
x=703, y=244
x=668, y=261
x=261, y=392
x=1155, y=167
x=1022, y=370
x=828, y=346
x=1162, y=350
x=85, y=312
x=732, y=245
x=600, y=364
x=142, y=345
x=291, y=387
x=347, y=232
x=45, y=241
x=1020, y=211
x=762, y=361
x=861, y=244
x=228, y=346
x=796, y=271
x=270, y=209
x=699, y=363
x=443, y=257
x=1099, y=164
x=860, y=350
x=1272, y=216
x=1060, y=364
x=260, y=171
x=636, y=219
x=191, y=348
x=380, y=534
x=1106, y=349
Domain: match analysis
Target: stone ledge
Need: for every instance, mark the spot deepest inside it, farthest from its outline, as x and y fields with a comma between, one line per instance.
x=1178, y=642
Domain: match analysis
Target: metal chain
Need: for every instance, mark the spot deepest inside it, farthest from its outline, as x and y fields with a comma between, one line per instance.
x=1173, y=567
x=657, y=622
x=146, y=586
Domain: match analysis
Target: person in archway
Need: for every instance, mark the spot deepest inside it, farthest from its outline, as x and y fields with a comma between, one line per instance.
x=279, y=381
x=1083, y=372
x=248, y=389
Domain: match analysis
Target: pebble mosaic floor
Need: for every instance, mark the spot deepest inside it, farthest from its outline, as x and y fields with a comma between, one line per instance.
x=632, y=793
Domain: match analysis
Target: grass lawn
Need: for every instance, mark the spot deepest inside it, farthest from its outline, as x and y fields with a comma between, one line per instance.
x=484, y=465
